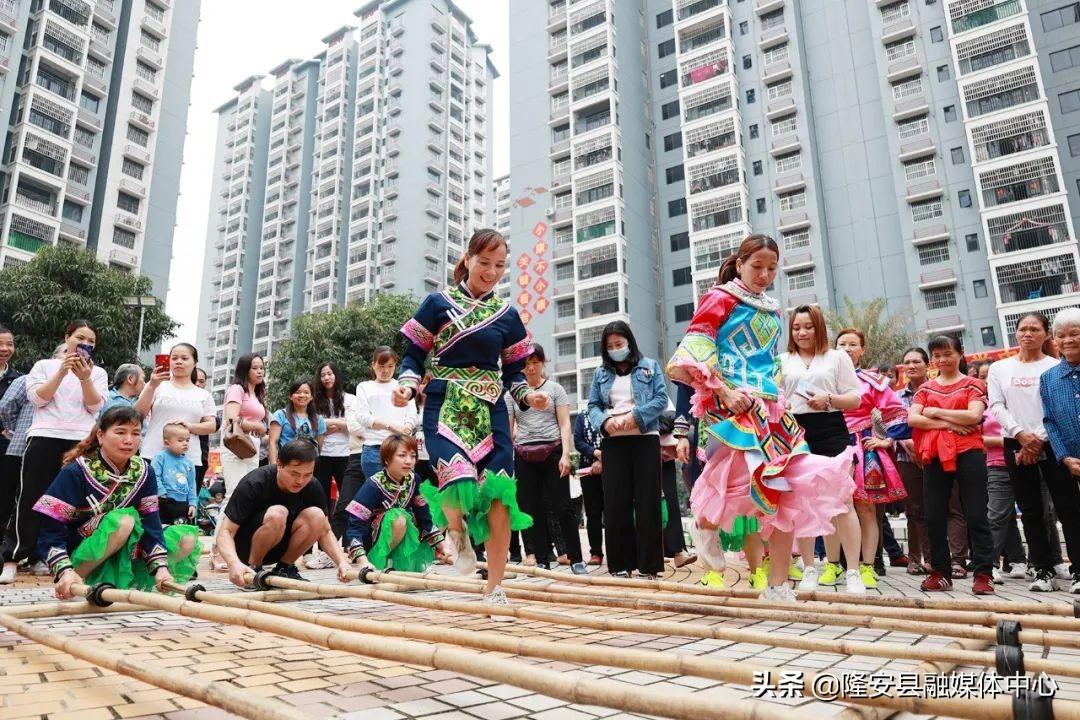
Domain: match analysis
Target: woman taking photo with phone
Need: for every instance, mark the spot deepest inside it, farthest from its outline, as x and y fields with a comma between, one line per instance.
x=67, y=394
x=171, y=396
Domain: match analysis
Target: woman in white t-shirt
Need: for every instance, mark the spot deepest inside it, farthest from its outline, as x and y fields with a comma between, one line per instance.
x=819, y=384
x=171, y=396
x=330, y=403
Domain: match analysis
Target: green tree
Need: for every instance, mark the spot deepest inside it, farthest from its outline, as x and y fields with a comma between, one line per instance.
x=887, y=336
x=346, y=337
x=64, y=283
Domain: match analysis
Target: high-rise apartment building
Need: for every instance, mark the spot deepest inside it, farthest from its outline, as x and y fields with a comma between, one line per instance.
x=503, y=207
x=97, y=95
x=362, y=170
x=923, y=151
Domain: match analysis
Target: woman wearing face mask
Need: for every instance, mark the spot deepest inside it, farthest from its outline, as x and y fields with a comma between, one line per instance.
x=479, y=345
x=628, y=396
x=67, y=394
x=757, y=462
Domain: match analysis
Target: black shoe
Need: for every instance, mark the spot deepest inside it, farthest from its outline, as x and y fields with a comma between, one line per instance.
x=621, y=574
x=879, y=567
x=515, y=559
x=287, y=571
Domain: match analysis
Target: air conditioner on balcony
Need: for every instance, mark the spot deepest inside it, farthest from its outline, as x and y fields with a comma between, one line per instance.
x=550, y=213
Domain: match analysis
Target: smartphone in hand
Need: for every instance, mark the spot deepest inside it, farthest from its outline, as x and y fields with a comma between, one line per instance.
x=85, y=351
x=161, y=361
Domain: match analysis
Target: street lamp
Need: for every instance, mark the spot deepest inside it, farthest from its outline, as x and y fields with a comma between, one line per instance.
x=142, y=302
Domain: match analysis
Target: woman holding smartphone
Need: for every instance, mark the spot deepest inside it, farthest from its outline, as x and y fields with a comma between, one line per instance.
x=67, y=393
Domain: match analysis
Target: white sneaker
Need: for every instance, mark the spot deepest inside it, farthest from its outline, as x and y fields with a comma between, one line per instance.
x=498, y=599
x=40, y=568
x=707, y=543
x=854, y=583
x=318, y=560
x=999, y=576
x=780, y=593
x=464, y=556
x=1043, y=582
x=1018, y=571
x=810, y=577
x=1074, y=588
x=7, y=577
x=1061, y=572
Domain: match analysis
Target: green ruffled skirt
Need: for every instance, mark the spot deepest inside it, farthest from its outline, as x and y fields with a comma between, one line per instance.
x=474, y=500
x=733, y=540
x=410, y=555
x=118, y=569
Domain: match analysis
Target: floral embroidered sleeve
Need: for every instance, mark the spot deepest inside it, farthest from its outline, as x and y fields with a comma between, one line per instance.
x=695, y=362
x=420, y=333
x=59, y=508
x=517, y=345
x=152, y=540
x=362, y=510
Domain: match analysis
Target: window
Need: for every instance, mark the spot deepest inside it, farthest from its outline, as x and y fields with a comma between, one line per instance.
x=747, y=62
x=669, y=78
x=1070, y=101
x=788, y=163
x=1074, y=145
x=669, y=110
x=943, y=73
x=78, y=174
x=950, y=113
x=138, y=136
x=979, y=288
x=142, y=103
x=1061, y=17
x=801, y=280
x=913, y=127
x=676, y=208
x=758, y=170
x=760, y=205
x=664, y=19
x=935, y=34
x=72, y=212
x=744, y=27
x=972, y=242
x=939, y=298
x=926, y=210
x=674, y=174
x=792, y=201
x=1065, y=59
x=681, y=276
x=89, y=102
x=666, y=48
x=672, y=142
x=123, y=238
x=957, y=154
x=751, y=96
x=680, y=241
x=132, y=169
x=128, y=203
x=918, y=169
x=754, y=130
x=964, y=196
x=989, y=337
x=684, y=312
x=145, y=71
x=150, y=41
x=935, y=252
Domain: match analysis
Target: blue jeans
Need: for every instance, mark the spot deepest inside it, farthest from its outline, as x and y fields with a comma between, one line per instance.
x=369, y=460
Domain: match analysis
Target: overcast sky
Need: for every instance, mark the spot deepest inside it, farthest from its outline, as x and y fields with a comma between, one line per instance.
x=239, y=38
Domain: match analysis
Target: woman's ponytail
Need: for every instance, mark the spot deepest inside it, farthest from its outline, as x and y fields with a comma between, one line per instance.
x=86, y=446
x=460, y=272
x=728, y=269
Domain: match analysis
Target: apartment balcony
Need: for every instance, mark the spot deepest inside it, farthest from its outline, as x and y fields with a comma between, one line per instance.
x=937, y=278
x=43, y=207
x=150, y=57
x=1026, y=234
x=83, y=196
x=946, y=323
x=8, y=21
x=781, y=107
x=557, y=51
x=128, y=221
x=132, y=186
x=146, y=88
x=72, y=231
x=795, y=301
x=124, y=257
x=561, y=251
x=135, y=152
x=905, y=68
x=95, y=83
x=395, y=68
x=764, y=7
x=104, y=15
x=89, y=119
x=785, y=144
x=789, y=183
x=923, y=147
x=558, y=115
x=910, y=107
x=1055, y=282
x=556, y=17
x=793, y=262
x=793, y=221
x=687, y=10
x=561, y=176
x=100, y=50
x=897, y=30
x=775, y=72
x=559, y=147
x=933, y=233
x=923, y=191
x=561, y=215
x=563, y=287
x=559, y=82
x=154, y=25
x=772, y=37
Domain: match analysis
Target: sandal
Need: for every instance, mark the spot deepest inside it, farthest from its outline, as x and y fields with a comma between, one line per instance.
x=959, y=572
x=915, y=568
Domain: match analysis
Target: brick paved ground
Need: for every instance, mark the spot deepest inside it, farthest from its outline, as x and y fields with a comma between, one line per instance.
x=36, y=681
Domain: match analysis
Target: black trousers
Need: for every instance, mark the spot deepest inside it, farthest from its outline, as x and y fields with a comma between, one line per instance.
x=41, y=463
x=542, y=492
x=331, y=467
x=592, y=495
x=10, y=469
x=674, y=542
x=970, y=478
x=353, y=478
x=1065, y=495
x=631, y=479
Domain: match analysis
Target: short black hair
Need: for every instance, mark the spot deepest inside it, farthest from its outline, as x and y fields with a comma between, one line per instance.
x=915, y=349
x=619, y=327
x=298, y=451
x=4, y=330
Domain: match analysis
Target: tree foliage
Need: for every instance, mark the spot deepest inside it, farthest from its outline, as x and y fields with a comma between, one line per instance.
x=345, y=336
x=887, y=336
x=64, y=283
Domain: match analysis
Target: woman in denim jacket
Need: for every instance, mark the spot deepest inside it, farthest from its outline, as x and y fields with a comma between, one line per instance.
x=627, y=398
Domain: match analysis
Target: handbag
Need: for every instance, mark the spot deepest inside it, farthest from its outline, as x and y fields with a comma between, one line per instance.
x=537, y=452
x=238, y=443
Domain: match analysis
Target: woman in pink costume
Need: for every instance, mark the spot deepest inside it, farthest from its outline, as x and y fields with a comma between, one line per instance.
x=757, y=462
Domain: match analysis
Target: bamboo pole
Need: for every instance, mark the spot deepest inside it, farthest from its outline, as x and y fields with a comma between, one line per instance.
x=67, y=608
x=681, y=706
x=553, y=651
x=1002, y=606
x=790, y=613
x=219, y=694
x=741, y=672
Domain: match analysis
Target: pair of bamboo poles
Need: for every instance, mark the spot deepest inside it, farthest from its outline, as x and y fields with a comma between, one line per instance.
x=967, y=620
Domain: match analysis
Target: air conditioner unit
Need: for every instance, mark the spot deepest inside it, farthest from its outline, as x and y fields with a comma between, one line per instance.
x=550, y=212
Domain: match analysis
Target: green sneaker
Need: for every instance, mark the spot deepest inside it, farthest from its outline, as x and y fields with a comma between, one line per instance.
x=759, y=579
x=794, y=573
x=869, y=577
x=713, y=579
x=830, y=573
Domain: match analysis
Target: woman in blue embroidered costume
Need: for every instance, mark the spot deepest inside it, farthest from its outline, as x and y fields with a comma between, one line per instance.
x=389, y=520
x=101, y=516
x=478, y=346
x=757, y=462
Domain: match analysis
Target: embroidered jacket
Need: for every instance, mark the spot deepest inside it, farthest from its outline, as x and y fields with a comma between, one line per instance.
x=378, y=494
x=77, y=500
x=478, y=344
x=877, y=394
